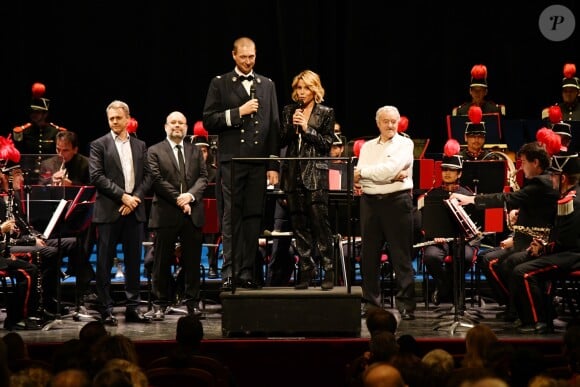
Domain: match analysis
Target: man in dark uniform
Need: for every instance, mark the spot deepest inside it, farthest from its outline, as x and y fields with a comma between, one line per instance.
x=560, y=255
x=478, y=91
x=38, y=136
x=474, y=140
x=570, y=91
x=535, y=204
x=242, y=108
x=434, y=255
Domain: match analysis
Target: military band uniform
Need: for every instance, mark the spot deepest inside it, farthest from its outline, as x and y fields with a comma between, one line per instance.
x=562, y=255
x=22, y=303
x=243, y=192
x=434, y=255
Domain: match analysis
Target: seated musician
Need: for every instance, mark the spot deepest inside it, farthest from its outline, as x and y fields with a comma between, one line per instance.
x=69, y=167
x=434, y=255
x=559, y=254
x=536, y=206
x=22, y=304
x=45, y=253
x=475, y=137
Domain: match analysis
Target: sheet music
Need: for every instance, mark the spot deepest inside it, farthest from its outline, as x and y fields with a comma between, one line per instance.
x=54, y=219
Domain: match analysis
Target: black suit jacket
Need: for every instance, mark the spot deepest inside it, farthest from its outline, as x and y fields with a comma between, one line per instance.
x=166, y=184
x=316, y=142
x=106, y=175
x=246, y=136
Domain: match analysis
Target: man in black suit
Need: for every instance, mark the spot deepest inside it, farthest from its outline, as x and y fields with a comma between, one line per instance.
x=242, y=108
x=178, y=177
x=117, y=168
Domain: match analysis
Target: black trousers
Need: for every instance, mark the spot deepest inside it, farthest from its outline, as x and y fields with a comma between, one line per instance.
x=387, y=218
x=129, y=232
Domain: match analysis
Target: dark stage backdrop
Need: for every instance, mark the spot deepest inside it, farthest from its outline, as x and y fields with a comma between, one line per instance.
x=159, y=56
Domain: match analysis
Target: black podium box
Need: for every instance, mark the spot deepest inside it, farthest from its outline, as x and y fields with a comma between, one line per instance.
x=289, y=312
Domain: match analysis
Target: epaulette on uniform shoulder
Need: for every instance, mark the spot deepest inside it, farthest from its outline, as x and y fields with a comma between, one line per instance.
x=21, y=128
x=58, y=127
x=566, y=204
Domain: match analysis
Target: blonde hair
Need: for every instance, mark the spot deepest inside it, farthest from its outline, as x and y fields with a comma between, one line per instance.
x=312, y=81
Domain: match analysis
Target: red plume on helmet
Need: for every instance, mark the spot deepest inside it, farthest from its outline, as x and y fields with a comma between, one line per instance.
x=199, y=130
x=555, y=114
x=403, y=124
x=569, y=70
x=38, y=90
x=451, y=147
x=356, y=147
x=132, y=125
x=550, y=140
x=8, y=151
x=475, y=114
x=479, y=71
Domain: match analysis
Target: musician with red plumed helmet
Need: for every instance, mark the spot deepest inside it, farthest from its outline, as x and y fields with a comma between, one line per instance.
x=434, y=255
x=569, y=106
x=38, y=136
x=478, y=91
x=560, y=254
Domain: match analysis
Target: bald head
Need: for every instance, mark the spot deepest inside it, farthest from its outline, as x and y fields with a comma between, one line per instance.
x=382, y=374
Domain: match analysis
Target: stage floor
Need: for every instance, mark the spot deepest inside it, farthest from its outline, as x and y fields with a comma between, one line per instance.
x=422, y=327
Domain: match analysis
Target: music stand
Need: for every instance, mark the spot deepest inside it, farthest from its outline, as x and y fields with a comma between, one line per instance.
x=438, y=222
x=70, y=218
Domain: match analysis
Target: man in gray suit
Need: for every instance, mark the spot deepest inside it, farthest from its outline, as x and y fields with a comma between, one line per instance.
x=117, y=168
x=179, y=177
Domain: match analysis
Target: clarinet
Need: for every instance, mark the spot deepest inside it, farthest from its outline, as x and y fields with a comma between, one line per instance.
x=9, y=201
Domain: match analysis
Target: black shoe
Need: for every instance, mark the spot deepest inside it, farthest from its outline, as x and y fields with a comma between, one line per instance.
x=132, y=316
x=249, y=284
x=328, y=282
x=27, y=325
x=435, y=298
x=507, y=316
x=109, y=319
x=212, y=273
x=407, y=315
x=305, y=277
x=227, y=284
x=537, y=328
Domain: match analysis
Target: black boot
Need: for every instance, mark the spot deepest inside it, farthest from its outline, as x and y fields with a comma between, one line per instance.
x=328, y=282
x=305, y=277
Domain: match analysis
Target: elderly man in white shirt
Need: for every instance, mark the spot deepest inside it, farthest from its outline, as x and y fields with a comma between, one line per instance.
x=384, y=176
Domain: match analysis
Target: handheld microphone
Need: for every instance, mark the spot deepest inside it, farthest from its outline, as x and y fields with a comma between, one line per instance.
x=299, y=106
x=252, y=95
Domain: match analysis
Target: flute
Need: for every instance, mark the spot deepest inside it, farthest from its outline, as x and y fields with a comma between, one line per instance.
x=430, y=243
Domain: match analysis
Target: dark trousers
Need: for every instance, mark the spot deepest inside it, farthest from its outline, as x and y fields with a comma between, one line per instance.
x=243, y=208
x=129, y=232
x=48, y=259
x=387, y=218
x=190, y=238
x=24, y=302
x=309, y=221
